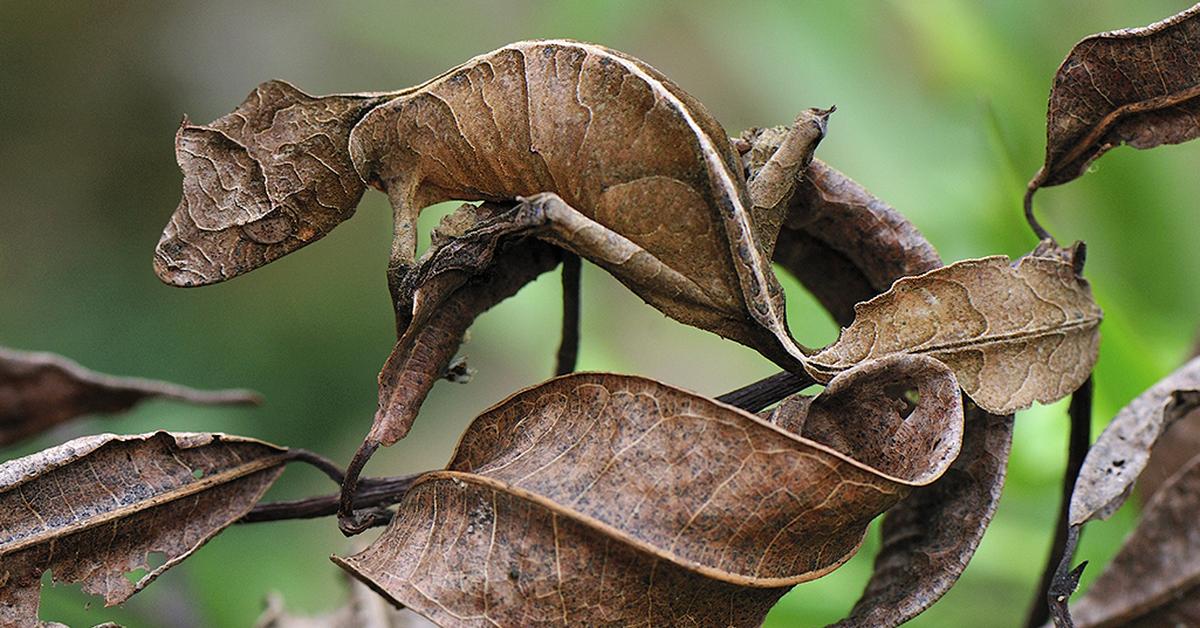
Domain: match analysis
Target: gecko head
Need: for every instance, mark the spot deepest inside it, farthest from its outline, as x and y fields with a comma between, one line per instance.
x=260, y=182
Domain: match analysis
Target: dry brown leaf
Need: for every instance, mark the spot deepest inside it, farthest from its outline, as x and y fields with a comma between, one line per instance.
x=929, y=538
x=1138, y=86
x=1155, y=578
x=561, y=499
x=260, y=182
x=477, y=258
x=1178, y=445
x=495, y=556
x=94, y=509
x=41, y=390
x=1119, y=455
x=846, y=246
x=1011, y=334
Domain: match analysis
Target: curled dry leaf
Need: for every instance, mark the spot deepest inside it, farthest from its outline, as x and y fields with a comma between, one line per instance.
x=1119, y=455
x=881, y=244
x=637, y=167
x=1138, y=86
x=476, y=259
x=929, y=538
x=1011, y=334
x=93, y=510
x=562, y=498
x=846, y=246
x=41, y=390
x=1155, y=577
x=1178, y=445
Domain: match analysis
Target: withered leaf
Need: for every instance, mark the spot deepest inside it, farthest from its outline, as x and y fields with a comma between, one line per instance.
x=1154, y=579
x=93, y=509
x=1138, y=86
x=561, y=499
x=1178, y=445
x=930, y=536
x=463, y=552
x=646, y=181
x=1119, y=455
x=881, y=243
x=1011, y=334
x=476, y=259
x=260, y=182
x=41, y=390
x=846, y=246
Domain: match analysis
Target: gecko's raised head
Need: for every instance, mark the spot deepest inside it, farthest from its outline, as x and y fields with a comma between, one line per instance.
x=260, y=182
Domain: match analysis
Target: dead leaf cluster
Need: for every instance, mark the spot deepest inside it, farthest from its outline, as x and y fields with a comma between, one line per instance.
x=601, y=498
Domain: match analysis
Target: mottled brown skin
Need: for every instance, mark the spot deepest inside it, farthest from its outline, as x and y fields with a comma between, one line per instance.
x=609, y=147
x=626, y=168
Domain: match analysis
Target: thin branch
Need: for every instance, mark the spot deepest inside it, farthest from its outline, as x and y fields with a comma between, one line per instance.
x=1066, y=580
x=568, y=348
x=327, y=466
x=758, y=395
x=349, y=522
x=1037, y=227
x=1065, y=537
x=372, y=492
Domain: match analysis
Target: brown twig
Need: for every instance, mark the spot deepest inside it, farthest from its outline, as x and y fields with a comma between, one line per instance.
x=758, y=395
x=1066, y=580
x=568, y=348
x=1037, y=227
x=1056, y=577
x=349, y=522
x=327, y=466
x=372, y=492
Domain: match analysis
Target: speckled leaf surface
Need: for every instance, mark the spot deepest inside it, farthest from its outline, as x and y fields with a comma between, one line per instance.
x=93, y=509
x=635, y=475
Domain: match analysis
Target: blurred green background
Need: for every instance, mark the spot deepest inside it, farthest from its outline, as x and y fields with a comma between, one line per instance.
x=941, y=110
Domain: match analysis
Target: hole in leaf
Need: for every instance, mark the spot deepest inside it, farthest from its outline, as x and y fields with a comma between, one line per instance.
x=154, y=560
x=907, y=398
x=430, y=218
x=197, y=473
x=136, y=574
